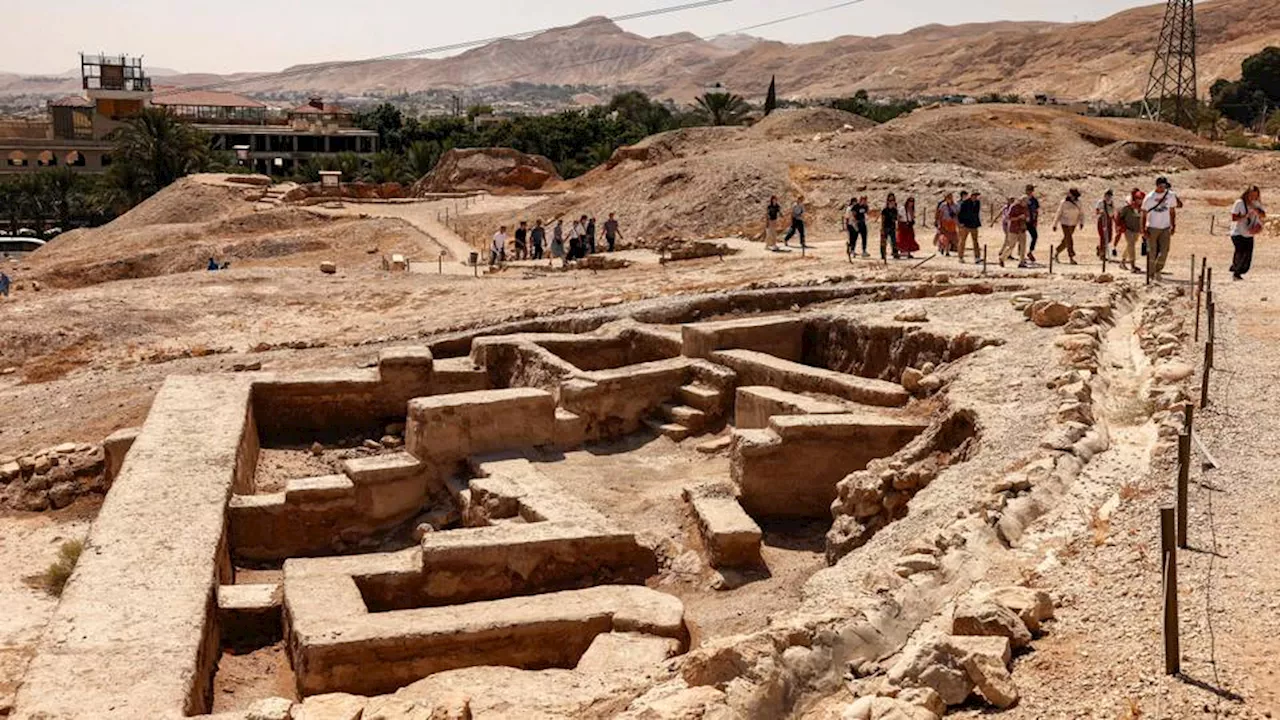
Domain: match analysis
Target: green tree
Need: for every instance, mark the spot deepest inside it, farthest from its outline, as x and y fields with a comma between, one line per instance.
x=1262, y=72
x=637, y=109
x=388, y=122
x=423, y=156
x=389, y=167
x=1273, y=125
x=723, y=108
x=477, y=110
x=1250, y=99
x=771, y=99
x=153, y=150
x=10, y=204
x=34, y=200
x=63, y=186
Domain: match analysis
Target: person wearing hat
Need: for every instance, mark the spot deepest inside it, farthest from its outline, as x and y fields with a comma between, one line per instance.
x=1070, y=217
x=1129, y=220
x=1159, y=212
x=1104, y=215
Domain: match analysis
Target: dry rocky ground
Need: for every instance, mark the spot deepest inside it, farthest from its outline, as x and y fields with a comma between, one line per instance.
x=82, y=358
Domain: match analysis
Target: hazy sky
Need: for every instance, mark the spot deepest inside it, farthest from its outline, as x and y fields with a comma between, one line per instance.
x=241, y=35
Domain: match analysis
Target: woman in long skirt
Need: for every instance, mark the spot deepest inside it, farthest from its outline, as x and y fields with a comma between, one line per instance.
x=907, y=230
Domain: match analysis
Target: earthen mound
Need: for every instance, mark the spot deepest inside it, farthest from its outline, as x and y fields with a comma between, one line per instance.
x=193, y=199
x=809, y=121
x=494, y=169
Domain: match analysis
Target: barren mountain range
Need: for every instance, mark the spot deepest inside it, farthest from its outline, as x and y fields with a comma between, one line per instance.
x=1104, y=60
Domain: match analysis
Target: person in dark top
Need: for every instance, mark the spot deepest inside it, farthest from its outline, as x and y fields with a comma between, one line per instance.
x=772, y=213
x=889, y=227
x=522, y=241
x=1033, y=220
x=589, y=247
x=860, y=211
x=611, y=231
x=538, y=238
x=970, y=223
x=212, y=266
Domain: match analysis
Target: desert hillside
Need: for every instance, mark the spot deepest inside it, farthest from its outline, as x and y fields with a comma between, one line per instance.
x=1103, y=60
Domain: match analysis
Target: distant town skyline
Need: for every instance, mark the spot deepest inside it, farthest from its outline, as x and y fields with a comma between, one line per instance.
x=270, y=35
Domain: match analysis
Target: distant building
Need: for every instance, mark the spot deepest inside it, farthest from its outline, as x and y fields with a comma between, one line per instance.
x=116, y=88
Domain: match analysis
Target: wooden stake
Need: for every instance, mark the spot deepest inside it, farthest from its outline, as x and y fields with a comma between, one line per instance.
x=1193, y=271
x=985, y=249
x=1184, y=477
x=1213, y=318
x=1169, y=587
x=1189, y=412
x=1204, y=380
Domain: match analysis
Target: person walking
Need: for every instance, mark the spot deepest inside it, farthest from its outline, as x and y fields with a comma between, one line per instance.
x=860, y=212
x=1161, y=220
x=970, y=218
x=557, y=240
x=907, y=244
x=1070, y=217
x=948, y=222
x=1016, y=224
x=1248, y=215
x=538, y=238
x=498, y=250
x=771, y=215
x=612, y=233
x=1105, y=217
x=5, y=282
x=575, y=240
x=522, y=241
x=1129, y=220
x=797, y=223
x=851, y=226
x=589, y=247
x=1033, y=221
x=889, y=226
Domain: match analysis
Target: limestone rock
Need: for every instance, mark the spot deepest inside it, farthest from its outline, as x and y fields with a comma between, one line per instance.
x=317, y=449
x=911, y=378
x=334, y=706
x=930, y=664
x=974, y=617
x=1173, y=372
x=992, y=680
x=63, y=494
x=1050, y=313
x=930, y=384
x=883, y=708
x=9, y=471
x=329, y=268
x=1032, y=606
x=925, y=698
x=445, y=707
x=912, y=316
x=913, y=564
x=275, y=708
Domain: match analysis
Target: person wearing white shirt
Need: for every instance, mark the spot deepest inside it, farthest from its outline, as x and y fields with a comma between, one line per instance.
x=1070, y=218
x=498, y=250
x=1160, y=210
x=1248, y=215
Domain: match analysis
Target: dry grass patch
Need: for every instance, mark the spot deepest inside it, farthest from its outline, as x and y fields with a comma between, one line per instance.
x=54, y=579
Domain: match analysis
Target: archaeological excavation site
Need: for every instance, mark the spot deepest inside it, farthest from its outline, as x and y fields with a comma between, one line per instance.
x=797, y=501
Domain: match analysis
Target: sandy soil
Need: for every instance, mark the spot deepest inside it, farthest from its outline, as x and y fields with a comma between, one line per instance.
x=637, y=483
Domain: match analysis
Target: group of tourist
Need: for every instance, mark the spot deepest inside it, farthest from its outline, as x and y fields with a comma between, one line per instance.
x=575, y=243
x=1151, y=218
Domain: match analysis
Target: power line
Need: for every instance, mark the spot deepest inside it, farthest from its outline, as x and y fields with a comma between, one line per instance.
x=324, y=67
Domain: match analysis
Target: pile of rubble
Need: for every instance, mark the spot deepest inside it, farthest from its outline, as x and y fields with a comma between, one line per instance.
x=53, y=477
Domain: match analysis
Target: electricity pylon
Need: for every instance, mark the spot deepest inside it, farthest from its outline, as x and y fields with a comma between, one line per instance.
x=1171, y=87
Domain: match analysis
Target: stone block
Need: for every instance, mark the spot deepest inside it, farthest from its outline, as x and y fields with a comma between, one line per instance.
x=732, y=538
x=448, y=428
x=756, y=405
x=626, y=652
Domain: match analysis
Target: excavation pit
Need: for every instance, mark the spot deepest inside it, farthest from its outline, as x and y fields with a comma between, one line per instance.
x=547, y=500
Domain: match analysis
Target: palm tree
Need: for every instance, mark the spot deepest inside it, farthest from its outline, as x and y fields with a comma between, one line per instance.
x=153, y=150
x=388, y=167
x=423, y=156
x=34, y=200
x=10, y=204
x=63, y=187
x=723, y=108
